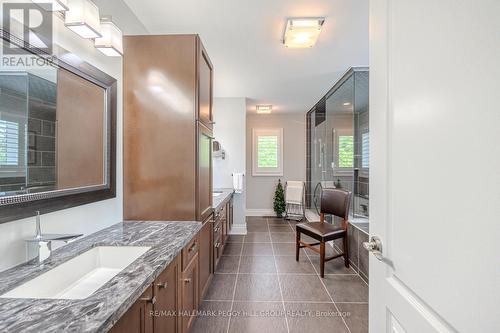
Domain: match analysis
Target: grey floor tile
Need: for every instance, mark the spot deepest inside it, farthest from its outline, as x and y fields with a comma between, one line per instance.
x=235, y=238
x=257, y=227
x=335, y=266
x=303, y=288
x=257, y=264
x=276, y=221
x=221, y=288
x=232, y=249
x=260, y=219
x=257, y=249
x=288, y=264
x=283, y=237
x=280, y=228
x=255, y=287
x=257, y=237
x=314, y=317
x=228, y=264
x=329, y=251
x=258, y=317
x=356, y=316
x=212, y=317
x=286, y=249
x=346, y=288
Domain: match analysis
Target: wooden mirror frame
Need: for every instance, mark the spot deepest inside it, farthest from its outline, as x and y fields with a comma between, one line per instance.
x=26, y=205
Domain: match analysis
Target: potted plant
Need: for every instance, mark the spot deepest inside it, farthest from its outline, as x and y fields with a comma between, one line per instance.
x=279, y=200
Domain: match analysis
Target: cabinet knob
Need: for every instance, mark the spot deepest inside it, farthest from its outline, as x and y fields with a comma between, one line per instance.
x=187, y=280
x=151, y=300
x=162, y=285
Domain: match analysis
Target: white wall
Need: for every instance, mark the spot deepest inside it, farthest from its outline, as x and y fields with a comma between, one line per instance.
x=229, y=130
x=260, y=190
x=84, y=219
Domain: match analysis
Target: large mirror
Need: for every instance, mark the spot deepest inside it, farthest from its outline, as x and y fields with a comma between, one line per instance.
x=57, y=134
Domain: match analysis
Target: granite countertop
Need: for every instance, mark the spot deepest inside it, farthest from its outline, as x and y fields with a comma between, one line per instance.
x=218, y=200
x=98, y=312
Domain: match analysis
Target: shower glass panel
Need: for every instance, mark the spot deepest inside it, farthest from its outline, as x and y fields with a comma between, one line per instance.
x=338, y=142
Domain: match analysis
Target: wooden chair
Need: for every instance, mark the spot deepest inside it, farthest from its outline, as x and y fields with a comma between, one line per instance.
x=335, y=202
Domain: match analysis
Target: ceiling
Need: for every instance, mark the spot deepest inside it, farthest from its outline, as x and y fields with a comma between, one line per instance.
x=243, y=40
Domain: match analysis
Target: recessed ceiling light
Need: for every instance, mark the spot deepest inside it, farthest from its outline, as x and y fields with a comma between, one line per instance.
x=346, y=104
x=302, y=32
x=263, y=109
x=83, y=18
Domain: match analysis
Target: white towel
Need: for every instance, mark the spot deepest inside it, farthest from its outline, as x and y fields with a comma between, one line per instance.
x=294, y=192
x=238, y=182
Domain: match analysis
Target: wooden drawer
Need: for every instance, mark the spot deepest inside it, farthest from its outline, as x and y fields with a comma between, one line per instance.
x=217, y=231
x=217, y=251
x=189, y=294
x=166, y=291
x=189, y=251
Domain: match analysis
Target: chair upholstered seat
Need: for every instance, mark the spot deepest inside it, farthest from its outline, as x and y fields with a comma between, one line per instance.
x=321, y=230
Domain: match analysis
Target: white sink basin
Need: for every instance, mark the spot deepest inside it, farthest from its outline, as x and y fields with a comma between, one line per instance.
x=80, y=276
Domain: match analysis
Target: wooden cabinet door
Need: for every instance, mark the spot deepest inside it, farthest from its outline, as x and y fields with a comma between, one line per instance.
x=204, y=175
x=230, y=214
x=205, y=255
x=189, y=294
x=138, y=318
x=166, y=290
x=205, y=80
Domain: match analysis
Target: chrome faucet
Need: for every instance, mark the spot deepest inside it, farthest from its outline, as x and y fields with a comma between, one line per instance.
x=40, y=246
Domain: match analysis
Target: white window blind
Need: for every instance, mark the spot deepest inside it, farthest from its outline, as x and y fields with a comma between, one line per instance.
x=9, y=143
x=267, y=153
x=365, y=150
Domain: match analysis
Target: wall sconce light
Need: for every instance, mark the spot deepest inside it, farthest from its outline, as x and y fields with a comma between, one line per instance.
x=52, y=5
x=111, y=42
x=264, y=109
x=83, y=18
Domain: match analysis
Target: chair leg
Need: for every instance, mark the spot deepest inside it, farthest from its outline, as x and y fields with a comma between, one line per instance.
x=297, y=245
x=322, y=258
x=346, y=249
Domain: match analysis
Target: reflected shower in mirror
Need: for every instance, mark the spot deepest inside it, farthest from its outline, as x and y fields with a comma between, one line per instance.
x=52, y=131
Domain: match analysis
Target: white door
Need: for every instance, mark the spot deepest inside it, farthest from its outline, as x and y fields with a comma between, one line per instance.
x=435, y=165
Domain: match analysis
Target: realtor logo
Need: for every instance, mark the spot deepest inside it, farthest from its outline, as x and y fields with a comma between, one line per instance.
x=30, y=25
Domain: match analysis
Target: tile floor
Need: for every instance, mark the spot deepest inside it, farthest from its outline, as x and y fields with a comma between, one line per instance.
x=259, y=287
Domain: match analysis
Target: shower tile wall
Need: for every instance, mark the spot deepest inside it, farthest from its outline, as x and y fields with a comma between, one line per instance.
x=30, y=102
x=41, y=133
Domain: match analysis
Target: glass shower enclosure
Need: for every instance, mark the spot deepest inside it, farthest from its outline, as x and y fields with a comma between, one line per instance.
x=338, y=143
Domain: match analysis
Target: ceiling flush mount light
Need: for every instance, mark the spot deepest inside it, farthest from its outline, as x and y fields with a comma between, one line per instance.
x=53, y=5
x=83, y=18
x=111, y=42
x=302, y=32
x=264, y=109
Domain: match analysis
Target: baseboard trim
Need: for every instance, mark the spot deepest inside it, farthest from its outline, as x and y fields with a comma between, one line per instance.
x=260, y=212
x=238, y=229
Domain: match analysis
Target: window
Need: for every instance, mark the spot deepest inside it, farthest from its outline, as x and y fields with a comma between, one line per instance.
x=267, y=152
x=365, y=150
x=9, y=143
x=346, y=151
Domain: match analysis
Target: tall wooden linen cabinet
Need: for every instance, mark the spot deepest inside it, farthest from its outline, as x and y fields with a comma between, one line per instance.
x=167, y=128
x=167, y=133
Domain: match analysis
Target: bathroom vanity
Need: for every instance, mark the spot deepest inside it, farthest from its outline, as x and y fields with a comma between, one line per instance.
x=163, y=280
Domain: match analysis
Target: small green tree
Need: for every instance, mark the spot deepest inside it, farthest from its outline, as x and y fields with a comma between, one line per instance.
x=279, y=200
